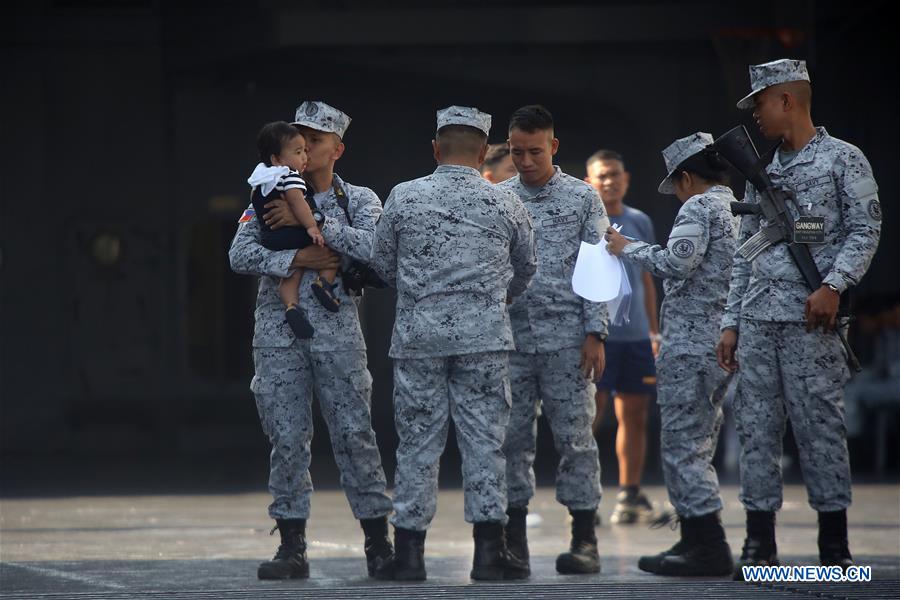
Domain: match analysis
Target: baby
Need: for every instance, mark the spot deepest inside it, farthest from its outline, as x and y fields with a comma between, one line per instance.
x=282, y=150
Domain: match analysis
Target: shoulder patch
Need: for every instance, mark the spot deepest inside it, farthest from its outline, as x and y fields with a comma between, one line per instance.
x=862, y=188
x=683, y=248
x=686, y=229
x=247, y=215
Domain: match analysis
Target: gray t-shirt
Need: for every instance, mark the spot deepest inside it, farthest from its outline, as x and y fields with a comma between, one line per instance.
x=785, y=157
x=532, y=190
x=635, y=224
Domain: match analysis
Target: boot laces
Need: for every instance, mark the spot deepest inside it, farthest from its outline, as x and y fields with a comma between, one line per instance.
x=289, y=548
x=289, y=545
x=666, y=518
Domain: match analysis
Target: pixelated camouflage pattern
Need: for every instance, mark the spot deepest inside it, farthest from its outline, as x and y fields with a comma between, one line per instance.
x=829, y=178
x=284, y=384
x=321, y=117
x=695, y=266
x=690, y=391
x=554, y=381
x=787, y=372
x=549, y=316
x=332, y=364
x=455, y=247
x=773, y=73
x=473, y=390
x=334, y=331
x=464, y=115
x=677, y=152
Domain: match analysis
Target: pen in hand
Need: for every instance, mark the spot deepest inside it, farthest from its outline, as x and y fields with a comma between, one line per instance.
x=618, y=229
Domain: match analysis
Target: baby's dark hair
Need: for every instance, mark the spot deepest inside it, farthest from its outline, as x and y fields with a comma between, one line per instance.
x=272, y=137
x=707, y=163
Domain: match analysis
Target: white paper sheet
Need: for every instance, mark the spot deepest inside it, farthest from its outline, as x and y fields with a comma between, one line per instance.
x=620, y=306
x=598, y=274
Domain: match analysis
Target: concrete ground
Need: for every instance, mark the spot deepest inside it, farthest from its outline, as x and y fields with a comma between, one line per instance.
x=208, y=546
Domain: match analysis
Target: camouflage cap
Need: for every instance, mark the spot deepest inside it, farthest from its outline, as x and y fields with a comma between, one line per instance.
x=773, y=73
x=321, y=117
x=464, y=115
x=679, y=151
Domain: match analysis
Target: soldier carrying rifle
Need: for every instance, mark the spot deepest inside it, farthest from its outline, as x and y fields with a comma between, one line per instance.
x=812, y=237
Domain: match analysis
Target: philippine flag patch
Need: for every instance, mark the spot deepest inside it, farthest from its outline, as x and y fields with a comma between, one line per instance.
x=248, y=214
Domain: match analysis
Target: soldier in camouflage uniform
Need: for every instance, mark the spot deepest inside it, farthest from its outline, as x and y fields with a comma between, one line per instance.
x=456, y=249
x=696, y=267
x=332, y=364
x=559, y=342
x=778, y=335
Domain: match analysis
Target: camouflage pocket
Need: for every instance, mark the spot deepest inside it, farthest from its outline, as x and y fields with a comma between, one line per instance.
x=677, y=380
x=262, y=385
x=507, y=392
x=271, y=329
x=556, y=233
x=823, y=387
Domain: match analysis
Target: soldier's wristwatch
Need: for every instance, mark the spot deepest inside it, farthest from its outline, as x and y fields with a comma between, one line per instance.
x=600, y=337
x=833, y=288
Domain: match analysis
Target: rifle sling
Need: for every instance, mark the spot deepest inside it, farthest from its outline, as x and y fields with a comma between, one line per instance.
x=800, y=253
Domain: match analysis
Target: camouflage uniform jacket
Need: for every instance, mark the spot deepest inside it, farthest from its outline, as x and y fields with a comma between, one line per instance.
x=549, y=316
x=334, y=331
x=455, y=247
x=696, y=268
x=829, y=178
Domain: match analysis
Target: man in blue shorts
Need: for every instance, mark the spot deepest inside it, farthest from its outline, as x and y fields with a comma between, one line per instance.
x=630, y=373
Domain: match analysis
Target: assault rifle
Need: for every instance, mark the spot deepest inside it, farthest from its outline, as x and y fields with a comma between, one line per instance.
x=736, y=147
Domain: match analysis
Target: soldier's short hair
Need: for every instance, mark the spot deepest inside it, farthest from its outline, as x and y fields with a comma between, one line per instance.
x=605, y=155
x=495, y=154
x=272, y=137
x=531, y=118
x=801, y=90
x=460, y=140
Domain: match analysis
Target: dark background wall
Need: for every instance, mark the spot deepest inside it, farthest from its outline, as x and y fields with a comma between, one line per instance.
x=128, y=132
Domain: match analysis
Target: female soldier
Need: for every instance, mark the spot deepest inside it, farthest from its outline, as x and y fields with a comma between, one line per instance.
x=696, y=267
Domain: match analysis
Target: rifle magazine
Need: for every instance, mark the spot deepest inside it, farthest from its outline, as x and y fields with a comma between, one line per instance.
x=752, y=248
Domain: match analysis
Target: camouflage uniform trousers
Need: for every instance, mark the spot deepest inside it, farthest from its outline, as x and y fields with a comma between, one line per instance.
x=690, y=391
x=554, y=381
x=283, y=386
x=474, y=390
x=785, y=371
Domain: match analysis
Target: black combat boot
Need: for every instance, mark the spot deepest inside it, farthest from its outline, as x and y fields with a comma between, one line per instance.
x=492, y=560
x=290, y=560
x=702, y=551
x=408, y=562
x=834, y=549
x=378, y=547
x=759, y=546
x=516, y=538
x=653, y=563
x=582, y=556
